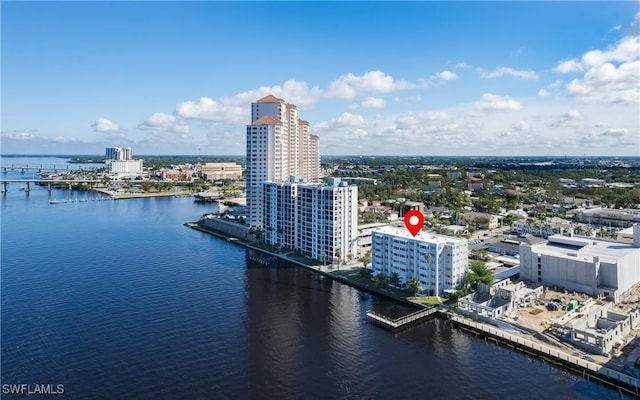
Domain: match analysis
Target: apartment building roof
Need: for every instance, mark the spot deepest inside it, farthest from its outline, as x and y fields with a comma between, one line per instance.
x=270, y=99
x=422, y=236
x=267, y=120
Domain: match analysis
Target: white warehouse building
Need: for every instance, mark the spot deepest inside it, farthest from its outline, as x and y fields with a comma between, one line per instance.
x=593, y=266
x=440, y=262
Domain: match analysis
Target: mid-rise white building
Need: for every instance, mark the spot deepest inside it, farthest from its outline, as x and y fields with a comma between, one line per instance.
x=125, y=167
x=320, y=221
x=279, y=145
x=219, y=171
x=584, y=264
x=440, y=262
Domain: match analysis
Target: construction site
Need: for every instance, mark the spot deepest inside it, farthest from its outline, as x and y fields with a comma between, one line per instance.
x=593, y=329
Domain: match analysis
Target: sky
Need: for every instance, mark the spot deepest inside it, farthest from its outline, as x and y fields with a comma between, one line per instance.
x=371, y=78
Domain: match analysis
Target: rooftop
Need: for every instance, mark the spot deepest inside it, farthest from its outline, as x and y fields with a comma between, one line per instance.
x=422, y=236
x=267, y=120
x=270, y=99
x=585, y=247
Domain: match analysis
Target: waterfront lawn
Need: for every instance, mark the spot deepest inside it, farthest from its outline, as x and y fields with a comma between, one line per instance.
x=426, y=300
x=302, y=259
x=356, y=276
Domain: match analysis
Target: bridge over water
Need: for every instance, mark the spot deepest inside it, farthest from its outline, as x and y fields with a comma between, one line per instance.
x=43, y=168
x=48, y=182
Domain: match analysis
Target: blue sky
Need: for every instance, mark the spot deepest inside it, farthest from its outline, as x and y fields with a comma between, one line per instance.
x=413, y=78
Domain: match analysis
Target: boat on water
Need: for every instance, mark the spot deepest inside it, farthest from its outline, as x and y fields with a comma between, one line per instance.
x=60, y=201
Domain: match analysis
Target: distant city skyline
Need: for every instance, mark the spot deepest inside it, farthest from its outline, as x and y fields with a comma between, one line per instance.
x=371, y=78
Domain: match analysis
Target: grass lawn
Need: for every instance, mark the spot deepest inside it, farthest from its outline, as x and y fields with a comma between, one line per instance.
x=426, y=300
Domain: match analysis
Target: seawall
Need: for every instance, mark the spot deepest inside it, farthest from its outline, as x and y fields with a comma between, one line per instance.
x=624, y=383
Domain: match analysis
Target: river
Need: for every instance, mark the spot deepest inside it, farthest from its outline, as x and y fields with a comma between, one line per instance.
x=117, y=299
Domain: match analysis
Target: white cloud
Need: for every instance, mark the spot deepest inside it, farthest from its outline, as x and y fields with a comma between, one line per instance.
x=105, y=125
x=206, y=109
x=166, y=126
x=348, y=126
x=611, y=75
x=608, y=83
x=462, y=65
x=572, y=118
x=518, y=129
x=616, y=133
x=349, y=86
x=446, y=75
x=634, y=29
x=373, y=102
x=568, y=66
x=494, y=102
x=18, y=135
x=504, y=71
x=543, y=93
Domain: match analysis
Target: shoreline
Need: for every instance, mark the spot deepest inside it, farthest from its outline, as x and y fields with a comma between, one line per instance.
x=124, y=196
x=589, y=370
x=283, y=257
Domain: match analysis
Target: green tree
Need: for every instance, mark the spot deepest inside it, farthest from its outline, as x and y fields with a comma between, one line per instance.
x=478, y=273
x=413, y=285
x=366, y=258
x=379, y=280
x=394, y=279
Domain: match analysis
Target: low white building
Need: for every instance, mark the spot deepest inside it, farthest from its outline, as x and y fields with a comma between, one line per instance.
x=440, y=262
x=587, y=265
x=125, y=167
x=219, y=171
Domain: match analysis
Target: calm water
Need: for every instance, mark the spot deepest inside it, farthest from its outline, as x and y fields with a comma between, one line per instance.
x=117, y=299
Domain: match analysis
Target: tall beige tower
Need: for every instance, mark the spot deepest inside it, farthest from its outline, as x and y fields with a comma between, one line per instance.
x=279, y=145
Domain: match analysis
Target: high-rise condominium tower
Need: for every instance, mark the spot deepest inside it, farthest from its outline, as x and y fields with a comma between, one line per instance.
x=279, y=145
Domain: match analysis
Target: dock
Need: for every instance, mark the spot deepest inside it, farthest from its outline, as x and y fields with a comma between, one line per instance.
x=398, y=324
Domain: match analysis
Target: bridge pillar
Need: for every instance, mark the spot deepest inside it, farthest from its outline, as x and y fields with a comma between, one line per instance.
x=27, y=189
x=49, y=188
x=22, y=170
x=4, y=187
x=69, y=185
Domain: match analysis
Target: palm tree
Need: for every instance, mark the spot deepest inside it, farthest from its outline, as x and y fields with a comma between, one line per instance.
x=413, y=285
x=394, y=279
x=478, y=273
x=338, y=254
x=366, y=258
x=379, y=280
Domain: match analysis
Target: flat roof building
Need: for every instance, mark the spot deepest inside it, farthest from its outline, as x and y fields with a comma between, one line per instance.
x=440, y=262
x=593, y=266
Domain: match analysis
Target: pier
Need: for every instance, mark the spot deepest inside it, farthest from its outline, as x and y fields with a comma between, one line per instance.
x=398, y=324
x=624, y=383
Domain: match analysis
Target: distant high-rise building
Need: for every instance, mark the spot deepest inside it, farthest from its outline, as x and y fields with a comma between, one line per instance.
x=118, y=153
x=120, y=160
x=320, y=221
x=112, y=153
x=279, y=145
x=127, y=153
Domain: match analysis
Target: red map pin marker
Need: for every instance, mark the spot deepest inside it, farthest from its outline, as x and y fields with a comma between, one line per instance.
x=413, y=220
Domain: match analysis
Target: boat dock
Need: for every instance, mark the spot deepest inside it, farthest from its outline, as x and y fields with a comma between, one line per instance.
x=398, y=324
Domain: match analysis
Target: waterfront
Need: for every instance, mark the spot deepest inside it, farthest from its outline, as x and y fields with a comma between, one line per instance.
x=120, y=300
